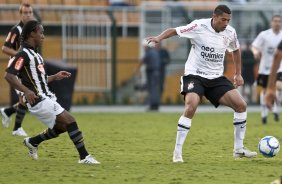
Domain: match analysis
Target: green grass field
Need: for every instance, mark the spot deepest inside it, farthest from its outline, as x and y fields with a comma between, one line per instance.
x=137, y=148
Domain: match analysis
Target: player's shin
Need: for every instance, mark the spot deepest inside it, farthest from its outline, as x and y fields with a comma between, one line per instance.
x=264, y=110
x=45, y=135
x=21, y=111
x=240, y=124
x=77, y=139
x=183, y=128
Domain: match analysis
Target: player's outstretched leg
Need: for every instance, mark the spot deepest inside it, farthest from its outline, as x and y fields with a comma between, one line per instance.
x=76, y=136
x=240, y=125
x=20, y=114
x=32, y=143
x=183, y=128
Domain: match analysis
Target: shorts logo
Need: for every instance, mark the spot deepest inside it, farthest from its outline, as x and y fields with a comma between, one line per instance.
x=190, y=85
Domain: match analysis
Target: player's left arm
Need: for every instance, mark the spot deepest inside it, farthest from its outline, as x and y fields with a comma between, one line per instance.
x=59, y=76
x=238, y=79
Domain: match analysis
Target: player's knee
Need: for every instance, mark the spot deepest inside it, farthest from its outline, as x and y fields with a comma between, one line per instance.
x=241, y=107
x=189, y=110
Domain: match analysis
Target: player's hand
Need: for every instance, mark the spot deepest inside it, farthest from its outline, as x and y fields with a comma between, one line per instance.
x=269, y=98
x=30, y=97
x=62, y=74
x=152, y=39
x=238, y=80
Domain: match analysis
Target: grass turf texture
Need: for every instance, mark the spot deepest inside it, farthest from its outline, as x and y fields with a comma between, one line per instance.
x=137, y=148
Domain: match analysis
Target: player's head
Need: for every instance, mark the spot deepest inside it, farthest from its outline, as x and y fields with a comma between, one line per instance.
x=276, y=23
x=221, y=17
x=33, y=33
x=26, y=12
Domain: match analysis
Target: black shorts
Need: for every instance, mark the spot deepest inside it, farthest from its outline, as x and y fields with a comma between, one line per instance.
x=212, y=89
x=279, y=76
x=262, y=80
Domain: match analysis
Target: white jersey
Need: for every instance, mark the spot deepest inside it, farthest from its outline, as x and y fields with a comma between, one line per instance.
x=266, y=42
x=206, y=56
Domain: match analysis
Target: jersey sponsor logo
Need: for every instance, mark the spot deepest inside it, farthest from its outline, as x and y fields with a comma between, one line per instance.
x=198, y=71
x=40, y=67
x=8, y=37
x=19, y=63
x=13, y=38
x=188, y=28
x=190, y=85
x=209, y=54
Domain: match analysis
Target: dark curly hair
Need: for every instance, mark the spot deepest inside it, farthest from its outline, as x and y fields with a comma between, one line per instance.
x=29, y=27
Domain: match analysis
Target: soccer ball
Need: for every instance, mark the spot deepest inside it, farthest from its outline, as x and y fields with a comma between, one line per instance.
x=269, y=146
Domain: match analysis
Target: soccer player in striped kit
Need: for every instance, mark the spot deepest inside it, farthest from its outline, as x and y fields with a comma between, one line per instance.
x=203, y=75
x=10, y=47
x=28, y=65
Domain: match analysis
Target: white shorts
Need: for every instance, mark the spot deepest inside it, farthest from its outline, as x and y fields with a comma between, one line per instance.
x=46, y=111
x=19, y=93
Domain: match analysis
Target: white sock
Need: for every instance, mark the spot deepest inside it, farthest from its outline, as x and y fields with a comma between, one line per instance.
x=275, y=108
x=264, y=110
x=184, y=125
x=240, y=124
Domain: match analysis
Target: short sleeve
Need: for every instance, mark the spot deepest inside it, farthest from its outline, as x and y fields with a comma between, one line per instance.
x=188, y=31
x=17, y=63
x=234, y=44
x=12, y=39
x=258, y=42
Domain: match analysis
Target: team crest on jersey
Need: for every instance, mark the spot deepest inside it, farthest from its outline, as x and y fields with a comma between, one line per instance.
x=40, y=67
x=190, y=85
x=19, y=63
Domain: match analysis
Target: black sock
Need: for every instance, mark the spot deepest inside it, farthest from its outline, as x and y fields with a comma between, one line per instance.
x=21, y=110
x=77, y=139
x=45, y=135
x=11, y=110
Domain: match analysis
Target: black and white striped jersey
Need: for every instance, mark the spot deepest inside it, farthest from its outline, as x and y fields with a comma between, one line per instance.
x=28, y=65
x=13, y=39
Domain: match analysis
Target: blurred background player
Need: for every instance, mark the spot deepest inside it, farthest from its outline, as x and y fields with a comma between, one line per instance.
x=152, y=63
x=165, y=60
x=270, y=95
x=28, y=65
x=203, y=75
x=11, y=45
x=263, y=48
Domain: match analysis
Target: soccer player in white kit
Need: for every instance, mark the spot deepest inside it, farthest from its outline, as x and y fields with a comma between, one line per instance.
x=263, y=48
x=203, y=75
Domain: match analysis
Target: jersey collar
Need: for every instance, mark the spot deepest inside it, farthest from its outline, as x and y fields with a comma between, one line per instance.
x=26, y=45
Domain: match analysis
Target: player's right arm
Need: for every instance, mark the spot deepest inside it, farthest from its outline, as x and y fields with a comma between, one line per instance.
x=187, y=31
x=164, y=35
x=16, y=64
